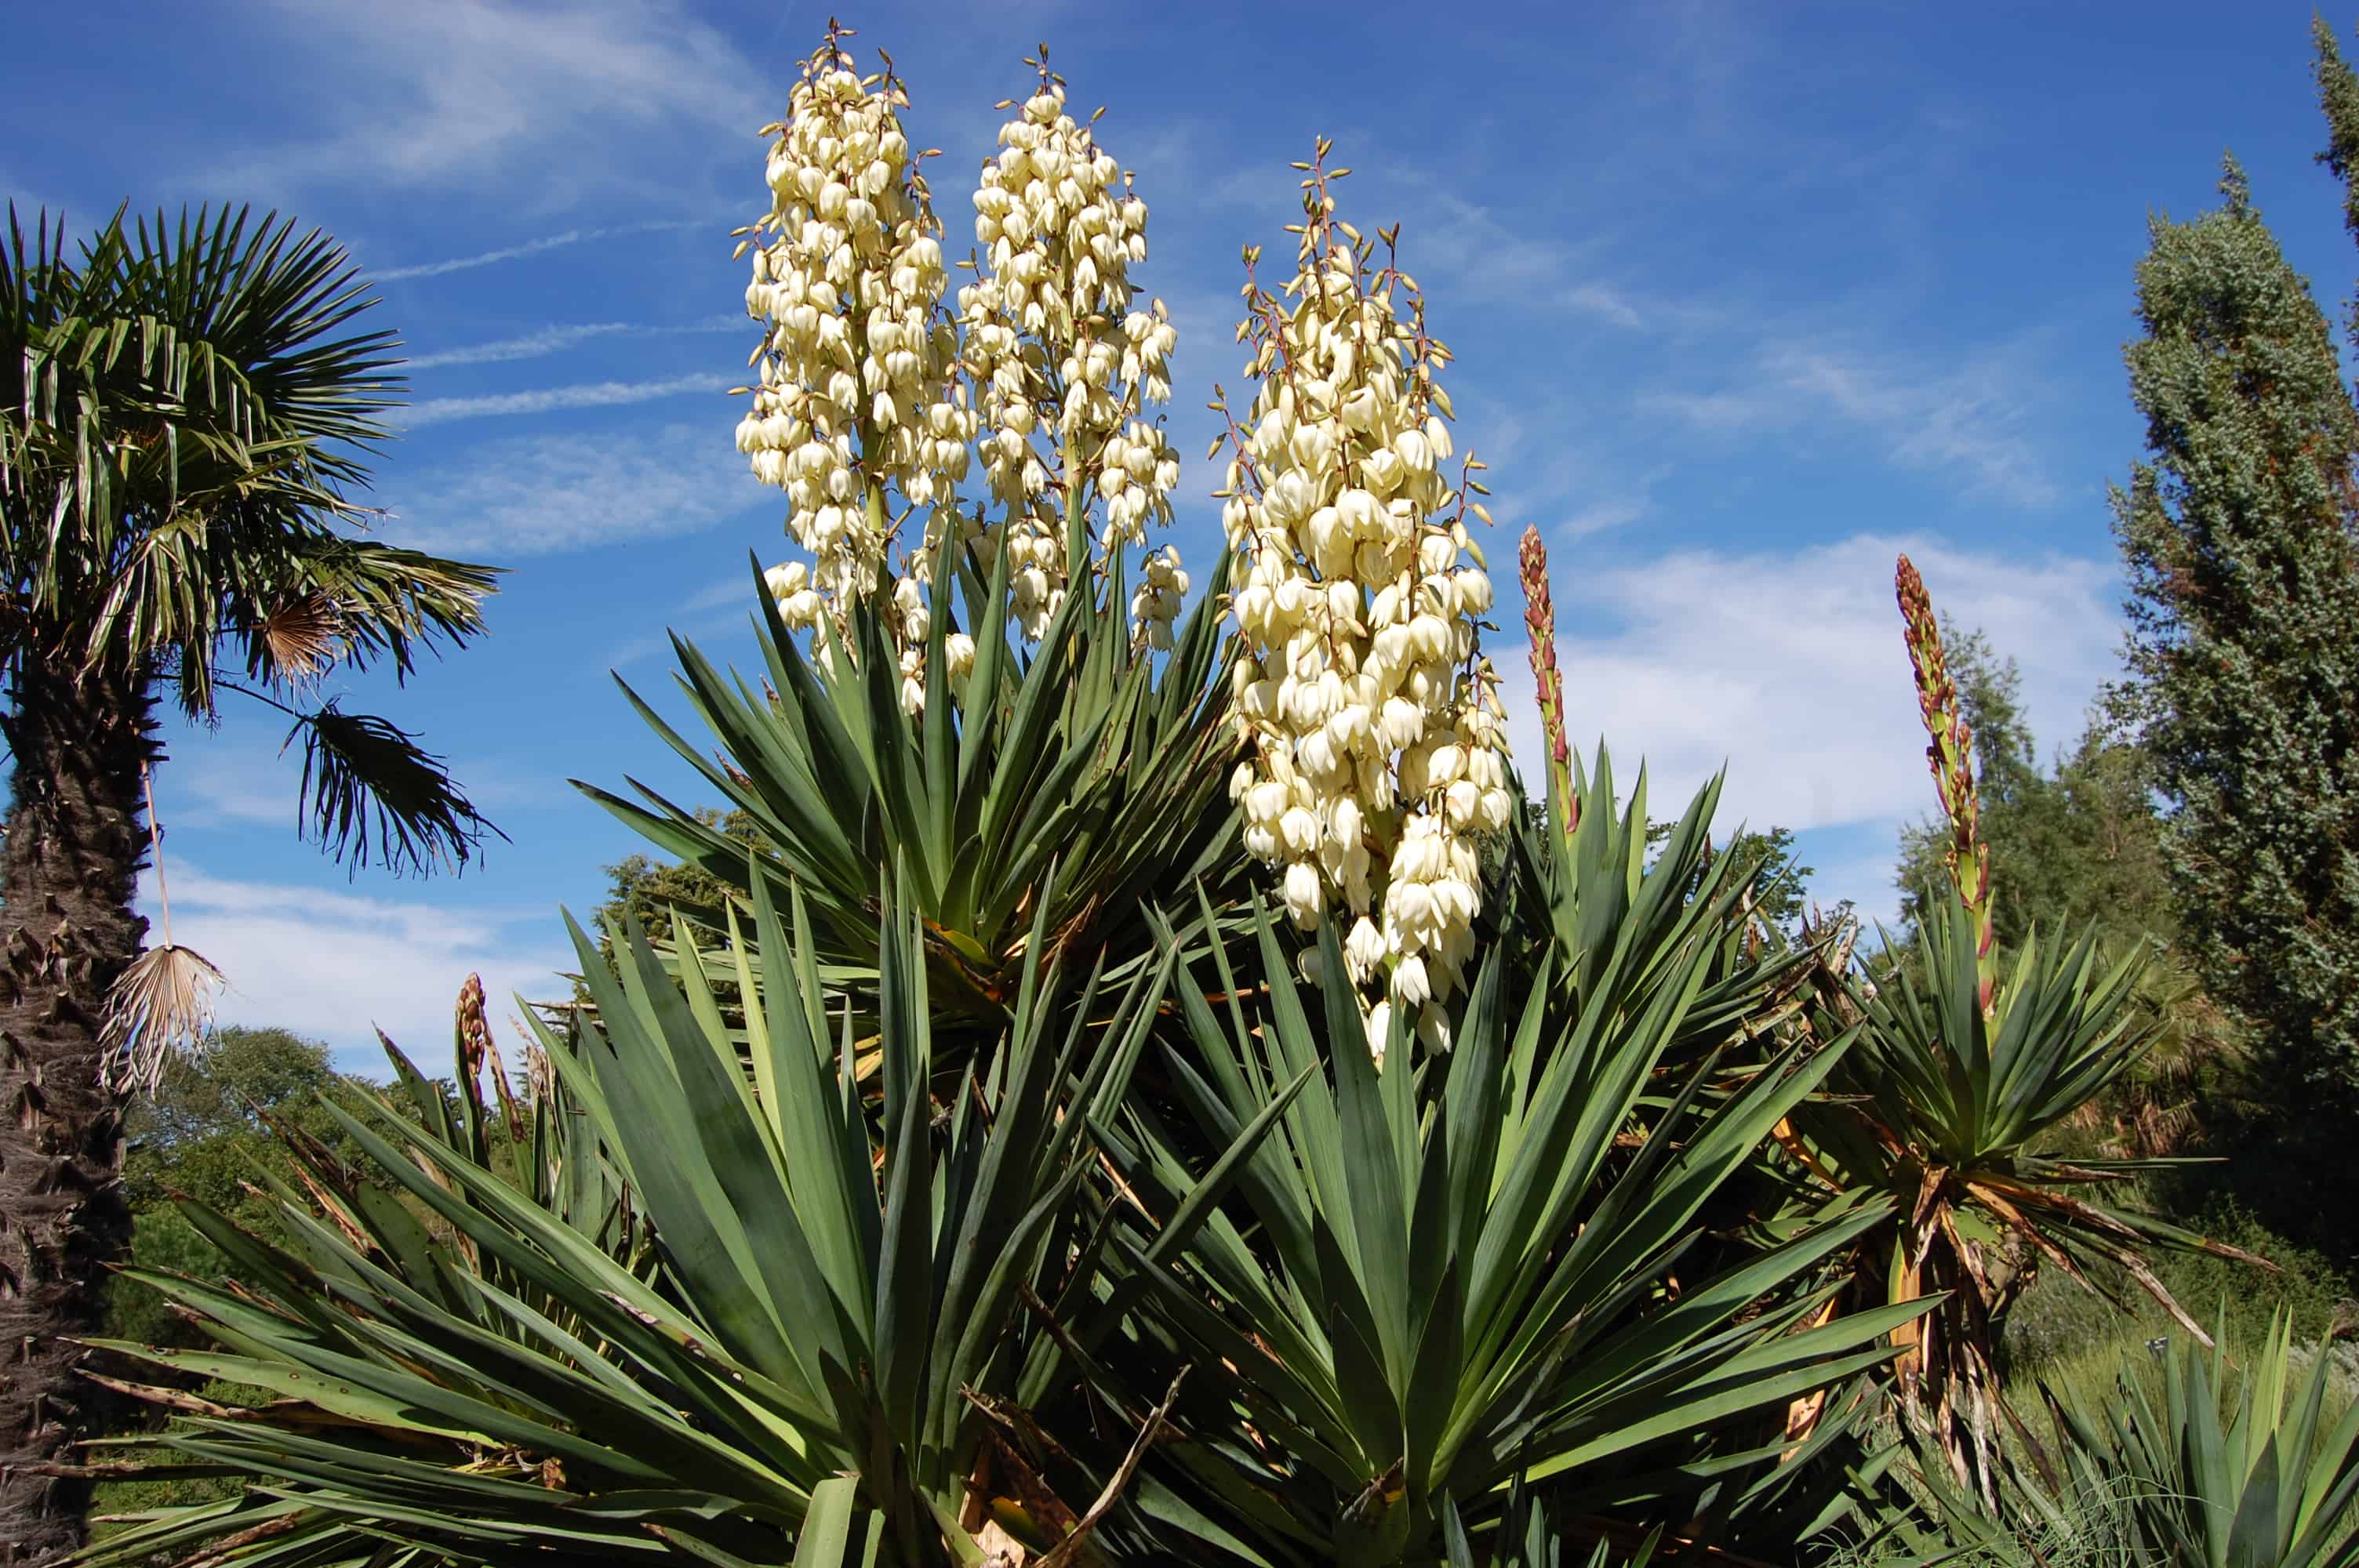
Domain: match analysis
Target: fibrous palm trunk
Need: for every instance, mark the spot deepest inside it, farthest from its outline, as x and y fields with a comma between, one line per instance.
x=68, y=873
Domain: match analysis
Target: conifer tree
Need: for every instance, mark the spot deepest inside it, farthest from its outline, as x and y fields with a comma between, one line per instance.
x=2245, y=622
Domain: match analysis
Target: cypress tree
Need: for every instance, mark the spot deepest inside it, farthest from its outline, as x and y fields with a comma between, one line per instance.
x=2245, y=627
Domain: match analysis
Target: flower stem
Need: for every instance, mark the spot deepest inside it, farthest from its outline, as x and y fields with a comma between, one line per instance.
x=1951, y=757
x=1540, y=623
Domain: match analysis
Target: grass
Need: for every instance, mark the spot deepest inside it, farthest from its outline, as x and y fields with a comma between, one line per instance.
x=2062, y=1334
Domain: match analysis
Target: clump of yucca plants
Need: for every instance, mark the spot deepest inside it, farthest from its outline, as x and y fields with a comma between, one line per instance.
x=2199, y=1476
x=996, y=1176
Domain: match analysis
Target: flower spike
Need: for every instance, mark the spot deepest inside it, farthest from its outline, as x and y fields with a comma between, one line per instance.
x=1951, y=756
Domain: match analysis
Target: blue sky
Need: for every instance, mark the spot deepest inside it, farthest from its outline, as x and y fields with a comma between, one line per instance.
x=1745, y=298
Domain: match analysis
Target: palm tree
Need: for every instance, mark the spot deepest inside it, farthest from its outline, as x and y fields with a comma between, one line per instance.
x=181, y=426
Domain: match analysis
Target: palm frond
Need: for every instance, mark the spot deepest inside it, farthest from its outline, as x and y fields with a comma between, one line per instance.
x=371, y=792
x=162, y=1000
x=184, y=417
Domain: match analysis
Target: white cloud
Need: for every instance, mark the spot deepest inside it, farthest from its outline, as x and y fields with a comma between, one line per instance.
x=543, y=495
x=558, y=339
x=531, y=346
x=1599, y=299
x=589, y=394
x=243, y=784
x=519, y=251
x=556, y=99
x=1601, y=517
x=1974, y=419
x=337, y=965
x=1790, y=669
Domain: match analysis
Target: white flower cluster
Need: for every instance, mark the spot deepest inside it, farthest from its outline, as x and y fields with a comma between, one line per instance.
x=1059, y=354
x=1155, y=602
x=856, y=393
x=1378, y=745
x=917, y=623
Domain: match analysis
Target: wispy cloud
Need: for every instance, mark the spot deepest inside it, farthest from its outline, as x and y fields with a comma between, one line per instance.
x=542, y=495
x=529, y=248
x=531, y=346
x=731, y=592
x=557, y=339
x=1796, y=678
x=1973, y=420
x=1972, y=417
x=337, y=966
x=723, y=605
x=547, y=102
x=1601, y=517
x=587, y=395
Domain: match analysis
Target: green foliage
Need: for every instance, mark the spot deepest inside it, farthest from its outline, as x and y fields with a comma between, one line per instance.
x=1770, y=861
x=856, y=1302
x=2203, y=1482
x=204, y=1135
x=651, y=891
x=1088, y=756
x=800, y=1320
x=1780, y=900
x=1395, y=1289
x=181, y=426
x=2238, y=536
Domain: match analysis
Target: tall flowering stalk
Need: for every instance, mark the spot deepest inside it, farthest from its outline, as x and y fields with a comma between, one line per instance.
x=859, y=416
x=1951, y=756
x=873, y=395
x=1064, y=360
x=1539, y=627
x=1377, y=744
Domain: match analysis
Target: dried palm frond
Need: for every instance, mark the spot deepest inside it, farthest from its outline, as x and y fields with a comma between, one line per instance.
x=163, y=999
x=302, y=637
x=370, y=791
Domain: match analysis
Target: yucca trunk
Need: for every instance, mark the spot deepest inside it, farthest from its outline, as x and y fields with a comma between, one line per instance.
x=68, y=873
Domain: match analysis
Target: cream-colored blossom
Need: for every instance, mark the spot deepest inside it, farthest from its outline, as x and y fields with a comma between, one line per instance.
x=1155, y=602
x=873, y=400
x=857, y=414
x=1062, y=359
x=1377, y=738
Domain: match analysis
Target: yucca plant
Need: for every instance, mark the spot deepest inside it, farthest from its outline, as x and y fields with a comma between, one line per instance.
x=969, y=681
x=1964, y=1064
x=1089, y=755
x=849, y=1328
x=1438, y=1282
x=2269, y=1481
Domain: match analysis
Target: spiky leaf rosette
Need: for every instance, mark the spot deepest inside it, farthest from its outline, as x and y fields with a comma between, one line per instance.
x=1945, y=1108
x=2191, y=1473
x=1091, y=758
x=1432, y=1283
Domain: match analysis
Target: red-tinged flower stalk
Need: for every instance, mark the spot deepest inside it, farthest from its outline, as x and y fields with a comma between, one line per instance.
x=1539, y=622
x=1951, y=757
x=475, y=1028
